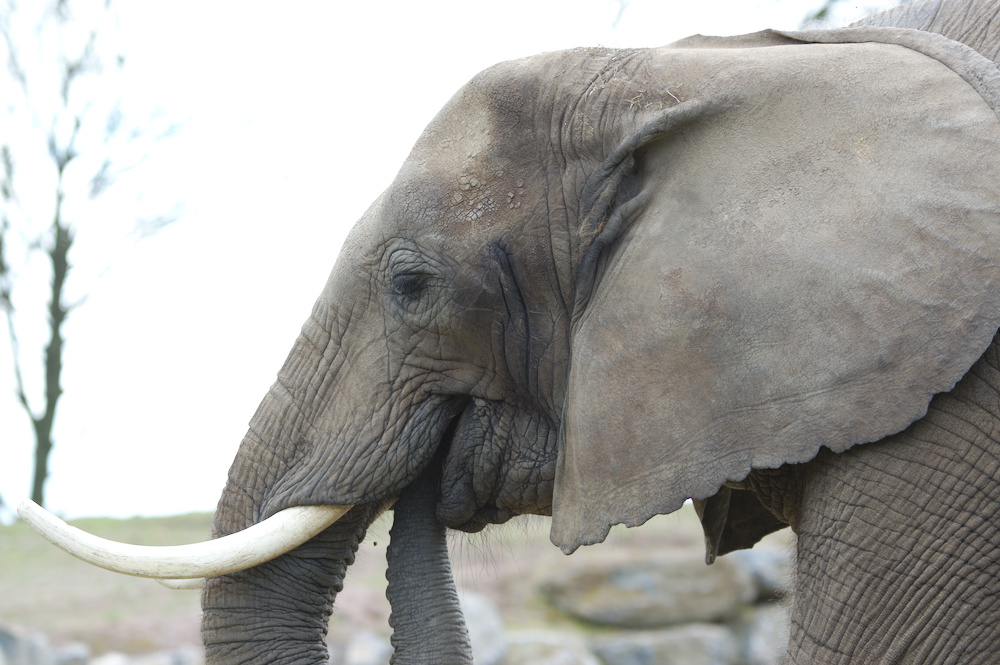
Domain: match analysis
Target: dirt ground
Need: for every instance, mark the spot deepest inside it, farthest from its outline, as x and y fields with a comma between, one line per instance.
x=45, y=590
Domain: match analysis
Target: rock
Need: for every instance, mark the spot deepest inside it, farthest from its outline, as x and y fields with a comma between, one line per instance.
x=765, y=634
x=74, y=653
x=19, y=647
x=485, y=625
x=652, y=591
x=770, y=568
x=186, y=655
x=693, y=644
x=364, y=649
x=111, y=658
x=540, y=647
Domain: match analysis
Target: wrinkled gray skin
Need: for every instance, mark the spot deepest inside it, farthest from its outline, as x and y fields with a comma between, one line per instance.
x=607, y=281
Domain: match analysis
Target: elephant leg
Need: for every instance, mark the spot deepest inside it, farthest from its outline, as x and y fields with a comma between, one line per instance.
x=427, y=621
x=899, y=541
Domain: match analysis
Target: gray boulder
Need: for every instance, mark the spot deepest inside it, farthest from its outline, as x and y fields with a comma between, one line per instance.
x=486, y=632
x=187, y=655
x=543, y=647
x=651, y=591
x=20, y=647
x=111, y=658
x=693, y=644
x=74, y=653
x=364, y=649
x=765, y=634
x=770, y=568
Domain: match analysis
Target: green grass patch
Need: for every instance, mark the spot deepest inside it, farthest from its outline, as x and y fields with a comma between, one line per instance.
x=44, y=589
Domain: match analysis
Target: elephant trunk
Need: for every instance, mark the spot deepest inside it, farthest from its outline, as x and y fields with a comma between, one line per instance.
x=279, y=612
x=427, y=621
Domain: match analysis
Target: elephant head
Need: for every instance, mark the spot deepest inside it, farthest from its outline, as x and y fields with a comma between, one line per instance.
x=608, y=281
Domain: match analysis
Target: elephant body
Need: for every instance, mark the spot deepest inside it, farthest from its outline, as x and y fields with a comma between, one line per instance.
x=760, y=272
x=897, y=540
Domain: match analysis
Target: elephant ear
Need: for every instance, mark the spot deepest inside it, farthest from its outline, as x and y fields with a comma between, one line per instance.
x=810, y=251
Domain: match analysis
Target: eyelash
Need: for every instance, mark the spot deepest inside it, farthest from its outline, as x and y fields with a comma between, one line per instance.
x=409, y=285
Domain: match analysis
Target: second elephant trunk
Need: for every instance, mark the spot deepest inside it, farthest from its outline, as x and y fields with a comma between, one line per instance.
x=427, y=621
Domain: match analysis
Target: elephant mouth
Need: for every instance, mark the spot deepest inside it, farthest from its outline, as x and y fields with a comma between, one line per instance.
x=481, y=519
x=460, y=505
x=452, y=510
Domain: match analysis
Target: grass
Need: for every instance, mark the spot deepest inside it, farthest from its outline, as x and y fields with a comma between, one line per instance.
x=43, y=589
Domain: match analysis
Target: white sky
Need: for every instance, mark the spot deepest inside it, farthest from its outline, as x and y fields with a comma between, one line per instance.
x=296, y=116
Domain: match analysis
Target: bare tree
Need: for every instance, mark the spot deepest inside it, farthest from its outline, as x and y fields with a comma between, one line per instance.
x=826, y=12
x=821, y=14
x=64, y=142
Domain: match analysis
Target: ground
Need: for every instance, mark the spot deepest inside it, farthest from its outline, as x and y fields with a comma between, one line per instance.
x=43, y=589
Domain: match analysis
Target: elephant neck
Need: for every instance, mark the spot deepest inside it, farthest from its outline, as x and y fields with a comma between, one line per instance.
x=899, y=540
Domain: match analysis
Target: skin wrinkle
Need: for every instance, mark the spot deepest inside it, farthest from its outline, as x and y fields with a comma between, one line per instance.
x=516, y=344
x=253, y=604
x=957, y=583
x=934, y=584
x=555, y=269
x=989, y=388
x=526, y=315
x=556, y=160
x=493, y=453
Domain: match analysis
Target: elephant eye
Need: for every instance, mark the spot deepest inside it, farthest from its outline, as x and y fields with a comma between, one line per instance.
x=409, y=284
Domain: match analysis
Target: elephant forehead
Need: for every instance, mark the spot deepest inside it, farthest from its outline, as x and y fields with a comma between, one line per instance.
x=457, y=196
x=480, y=160
x=458, y=147
x=464, y=204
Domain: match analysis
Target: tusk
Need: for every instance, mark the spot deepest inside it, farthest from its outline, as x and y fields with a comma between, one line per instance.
x=183, y=585
x=253, y=546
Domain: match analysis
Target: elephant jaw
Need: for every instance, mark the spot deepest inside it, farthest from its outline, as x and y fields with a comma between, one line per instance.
x=185, y=566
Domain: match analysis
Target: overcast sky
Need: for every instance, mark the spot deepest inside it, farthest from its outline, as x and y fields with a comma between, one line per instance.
x=293, y=121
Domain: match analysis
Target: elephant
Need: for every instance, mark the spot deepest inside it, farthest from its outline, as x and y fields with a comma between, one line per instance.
x=759, y=272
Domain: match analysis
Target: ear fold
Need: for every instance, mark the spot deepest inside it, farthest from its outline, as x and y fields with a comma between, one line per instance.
x=807, y=267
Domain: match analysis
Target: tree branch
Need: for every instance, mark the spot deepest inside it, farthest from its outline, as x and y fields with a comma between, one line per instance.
x=22, y=396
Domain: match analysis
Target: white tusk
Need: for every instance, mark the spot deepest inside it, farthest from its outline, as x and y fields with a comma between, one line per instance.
x=253, y=546
x=183, y=585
